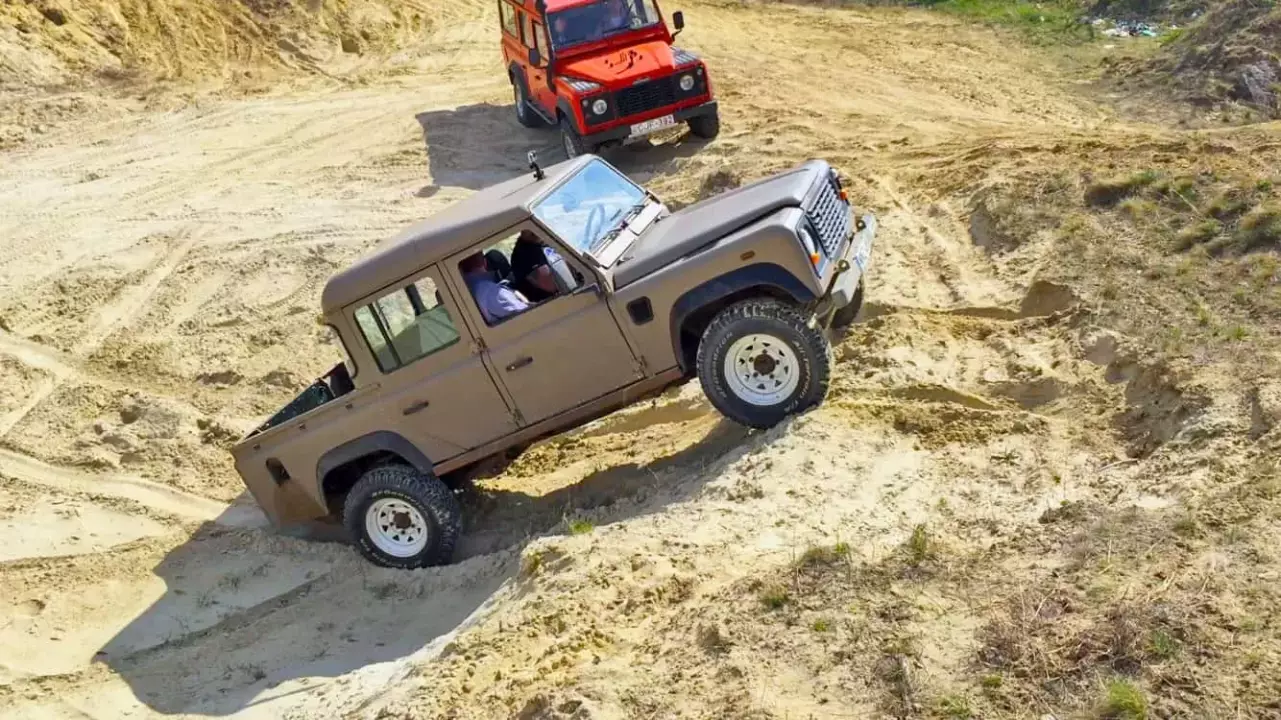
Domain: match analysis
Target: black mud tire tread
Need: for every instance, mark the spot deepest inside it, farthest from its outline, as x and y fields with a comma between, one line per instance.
x=528, y=118
x=706, y=127
x=567, y=130
x=779, y=319
x=844, y=317
x=426, y=492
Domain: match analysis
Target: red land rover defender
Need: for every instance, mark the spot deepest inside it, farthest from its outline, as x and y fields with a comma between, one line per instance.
x=604, y=71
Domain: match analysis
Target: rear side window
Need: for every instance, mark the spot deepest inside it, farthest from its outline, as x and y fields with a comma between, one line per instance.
x=406, y=325
x=508, y=15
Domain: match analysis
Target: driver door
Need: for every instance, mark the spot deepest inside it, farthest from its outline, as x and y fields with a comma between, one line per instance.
x=556, y=355
x=540, y=84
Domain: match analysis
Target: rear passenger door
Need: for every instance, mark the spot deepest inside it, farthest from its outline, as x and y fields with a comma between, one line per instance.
x=436, y=389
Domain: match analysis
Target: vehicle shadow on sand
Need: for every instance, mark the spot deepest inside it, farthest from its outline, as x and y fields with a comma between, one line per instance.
x=250, y=616
x=475, y=146
x=500, y=518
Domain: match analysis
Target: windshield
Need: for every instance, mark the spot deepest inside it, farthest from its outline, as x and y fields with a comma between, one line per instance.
x=589, y=205
x=597, y=20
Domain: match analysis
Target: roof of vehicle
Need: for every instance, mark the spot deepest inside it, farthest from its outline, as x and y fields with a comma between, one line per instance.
x=554, y=5
x=478, y=216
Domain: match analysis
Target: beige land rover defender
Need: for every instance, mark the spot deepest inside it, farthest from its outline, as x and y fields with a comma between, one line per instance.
x=542, y=303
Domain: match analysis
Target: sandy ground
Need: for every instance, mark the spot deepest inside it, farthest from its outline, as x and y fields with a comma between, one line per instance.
x=158, y=297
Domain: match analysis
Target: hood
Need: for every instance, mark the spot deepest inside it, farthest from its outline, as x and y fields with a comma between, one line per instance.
x=703, y=223
x=612, y=68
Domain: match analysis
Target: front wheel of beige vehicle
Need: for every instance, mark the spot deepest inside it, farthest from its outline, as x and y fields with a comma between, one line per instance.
x=759, y=361
x=401, y=518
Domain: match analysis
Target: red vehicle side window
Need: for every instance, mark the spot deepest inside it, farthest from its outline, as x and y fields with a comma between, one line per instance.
x=524, y=29
x=540, y=40
x=508, y=15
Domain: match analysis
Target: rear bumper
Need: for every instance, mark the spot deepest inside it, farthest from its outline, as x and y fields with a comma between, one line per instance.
x=858, y=256
x=623, y=133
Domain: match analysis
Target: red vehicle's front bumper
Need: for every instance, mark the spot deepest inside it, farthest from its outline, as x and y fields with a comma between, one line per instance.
x=623, y=130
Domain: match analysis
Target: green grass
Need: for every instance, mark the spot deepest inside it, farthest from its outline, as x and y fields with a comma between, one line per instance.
x=1054, y=19
x=825, y=555
x=1125, y=701
x=920, y=547
x=822, y=625
x=1198, y=233
x=580, y=527
x=1110, y=191
x=1163, y=645
x=956, y=707
x=774, y=597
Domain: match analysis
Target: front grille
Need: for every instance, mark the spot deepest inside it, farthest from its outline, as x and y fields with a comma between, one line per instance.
x=646, y=96
x=830, y=216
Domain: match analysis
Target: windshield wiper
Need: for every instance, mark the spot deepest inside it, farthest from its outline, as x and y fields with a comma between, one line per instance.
x=627, y=218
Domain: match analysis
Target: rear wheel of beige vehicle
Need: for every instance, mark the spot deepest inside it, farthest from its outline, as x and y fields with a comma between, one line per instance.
x=760, y=361
x=401, y=518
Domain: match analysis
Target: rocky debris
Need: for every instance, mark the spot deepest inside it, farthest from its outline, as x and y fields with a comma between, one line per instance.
x=1258, y=83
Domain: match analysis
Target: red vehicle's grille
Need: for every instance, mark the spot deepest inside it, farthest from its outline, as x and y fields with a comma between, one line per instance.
x=646, y=96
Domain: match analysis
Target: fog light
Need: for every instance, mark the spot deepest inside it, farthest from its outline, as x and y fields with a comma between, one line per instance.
x=600, y=106
x=687, y=82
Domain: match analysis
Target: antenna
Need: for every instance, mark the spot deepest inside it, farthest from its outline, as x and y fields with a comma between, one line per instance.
x=533, y=165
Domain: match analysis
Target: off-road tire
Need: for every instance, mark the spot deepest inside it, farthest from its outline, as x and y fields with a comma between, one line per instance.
x=571, y=141
x=705, y=126
x=845, y=316
x=784, y=322
x=425, y=493
x=525, y=114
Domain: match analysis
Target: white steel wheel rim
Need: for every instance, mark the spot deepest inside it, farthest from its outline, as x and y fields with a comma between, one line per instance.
x=762, y=370
x=396, y=527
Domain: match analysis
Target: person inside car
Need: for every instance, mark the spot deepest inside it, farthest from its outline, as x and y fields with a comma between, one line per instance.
x=531, y=273
x=616, y=16
x=496, y=301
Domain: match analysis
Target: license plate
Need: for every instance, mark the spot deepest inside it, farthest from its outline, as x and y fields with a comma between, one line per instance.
x=650, y=126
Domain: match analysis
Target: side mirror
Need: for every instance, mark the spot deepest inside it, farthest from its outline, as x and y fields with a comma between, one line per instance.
x=535, y=58
x=563, y=274
x=678, y=21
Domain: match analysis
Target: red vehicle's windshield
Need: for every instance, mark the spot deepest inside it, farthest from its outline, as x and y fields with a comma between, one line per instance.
x=598, y=20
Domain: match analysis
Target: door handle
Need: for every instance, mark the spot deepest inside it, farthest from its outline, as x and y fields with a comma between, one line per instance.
x=416, y=407
x=519, y=363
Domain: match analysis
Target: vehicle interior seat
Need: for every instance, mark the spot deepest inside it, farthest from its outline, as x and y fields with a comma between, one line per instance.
x=498, y=264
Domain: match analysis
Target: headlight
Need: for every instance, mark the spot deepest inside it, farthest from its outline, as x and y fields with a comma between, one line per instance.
x=600, y=106
x=687, y=82
x=808, y=241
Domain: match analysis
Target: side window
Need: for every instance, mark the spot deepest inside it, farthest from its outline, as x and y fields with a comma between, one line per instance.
x=511, y=276
x=540, y=41
x=523, y=21
x=407, y=324
x=507, y=14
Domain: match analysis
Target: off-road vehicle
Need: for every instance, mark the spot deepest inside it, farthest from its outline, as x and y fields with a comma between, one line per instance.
x=737, y=290
x=602, y=71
